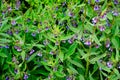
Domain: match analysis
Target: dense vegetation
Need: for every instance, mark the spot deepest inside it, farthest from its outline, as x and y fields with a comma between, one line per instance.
x=59, y=39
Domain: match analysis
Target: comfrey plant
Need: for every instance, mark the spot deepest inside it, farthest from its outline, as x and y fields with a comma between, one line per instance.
x=59, y=39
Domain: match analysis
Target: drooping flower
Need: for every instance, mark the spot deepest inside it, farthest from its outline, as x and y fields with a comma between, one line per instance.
x=97, y=0
x=109, y=64
x=107, y=43
x=110, y=49
x=46, y=28
x=101, y=28
x=15, y=71
x=88, y=43
x=70, y=14
x=25, y=76
x=56, y=43
x=108, y=23
x=116, y=2
x=45, y=42
x=9, y=32
x=96, y=7
x=39, y=54
x=32, y=51
x=115, y=13
x=7, y=78
x=33, y=34
x=51, y=52
x=94, y=20
x=64, y=41
x=97, y=46
x=18, y=48
x=6, y=46
x=17, y=4
x=9, y=9
x=70, y=41
x=13, y=22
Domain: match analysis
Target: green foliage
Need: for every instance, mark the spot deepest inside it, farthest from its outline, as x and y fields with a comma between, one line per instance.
x=59, y=39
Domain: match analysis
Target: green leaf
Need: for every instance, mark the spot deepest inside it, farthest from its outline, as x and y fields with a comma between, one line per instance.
x=32, y=57
x=109, y=16
x=89, y=12
x=116, y=42
x=5, y=41
x=96, y=39
x=66, y=37
x=61, y=56
x=104, y=67
x=59, y=74
x=93, y=60
x=5, y=35
x=72, y=70
x=3, y=55
x=81, y=77
x=23, y=55
x=76, y=63
x=71, y=50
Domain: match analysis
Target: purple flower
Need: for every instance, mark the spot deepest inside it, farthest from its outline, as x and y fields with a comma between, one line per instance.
x=102, y=28
x=56, y=43
x=26, y=30
x=45, y=42
x=33, y=34
x=82, y=38
x=97, y=0
x=70, y=41
x=17, y=31
x=18, y=48
x=9, y=9
x=110, y=49
x=28, y=20
x=17, y=4
x=25, y=76
x=6, y=46
x=32, y=51
x=103, y=16
x=75, y=36
x=108, y=23
x=94, y=20
x=109, y=64
x=115, y=13
x=1, y=46
x=64, y=41
x=107, y=43
x=67, y=27
x=51, y=52
x=97, y=46
x=96, y=7
x=15, y=71
x=3, y=12
x=13, y=22
x=71, y=14
x=46, y=28
x=88, y=43
x=39, y=54
x=7, y=78
x=9, y=32
x=116, y=2
x=0, y=24
x=68, y=78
